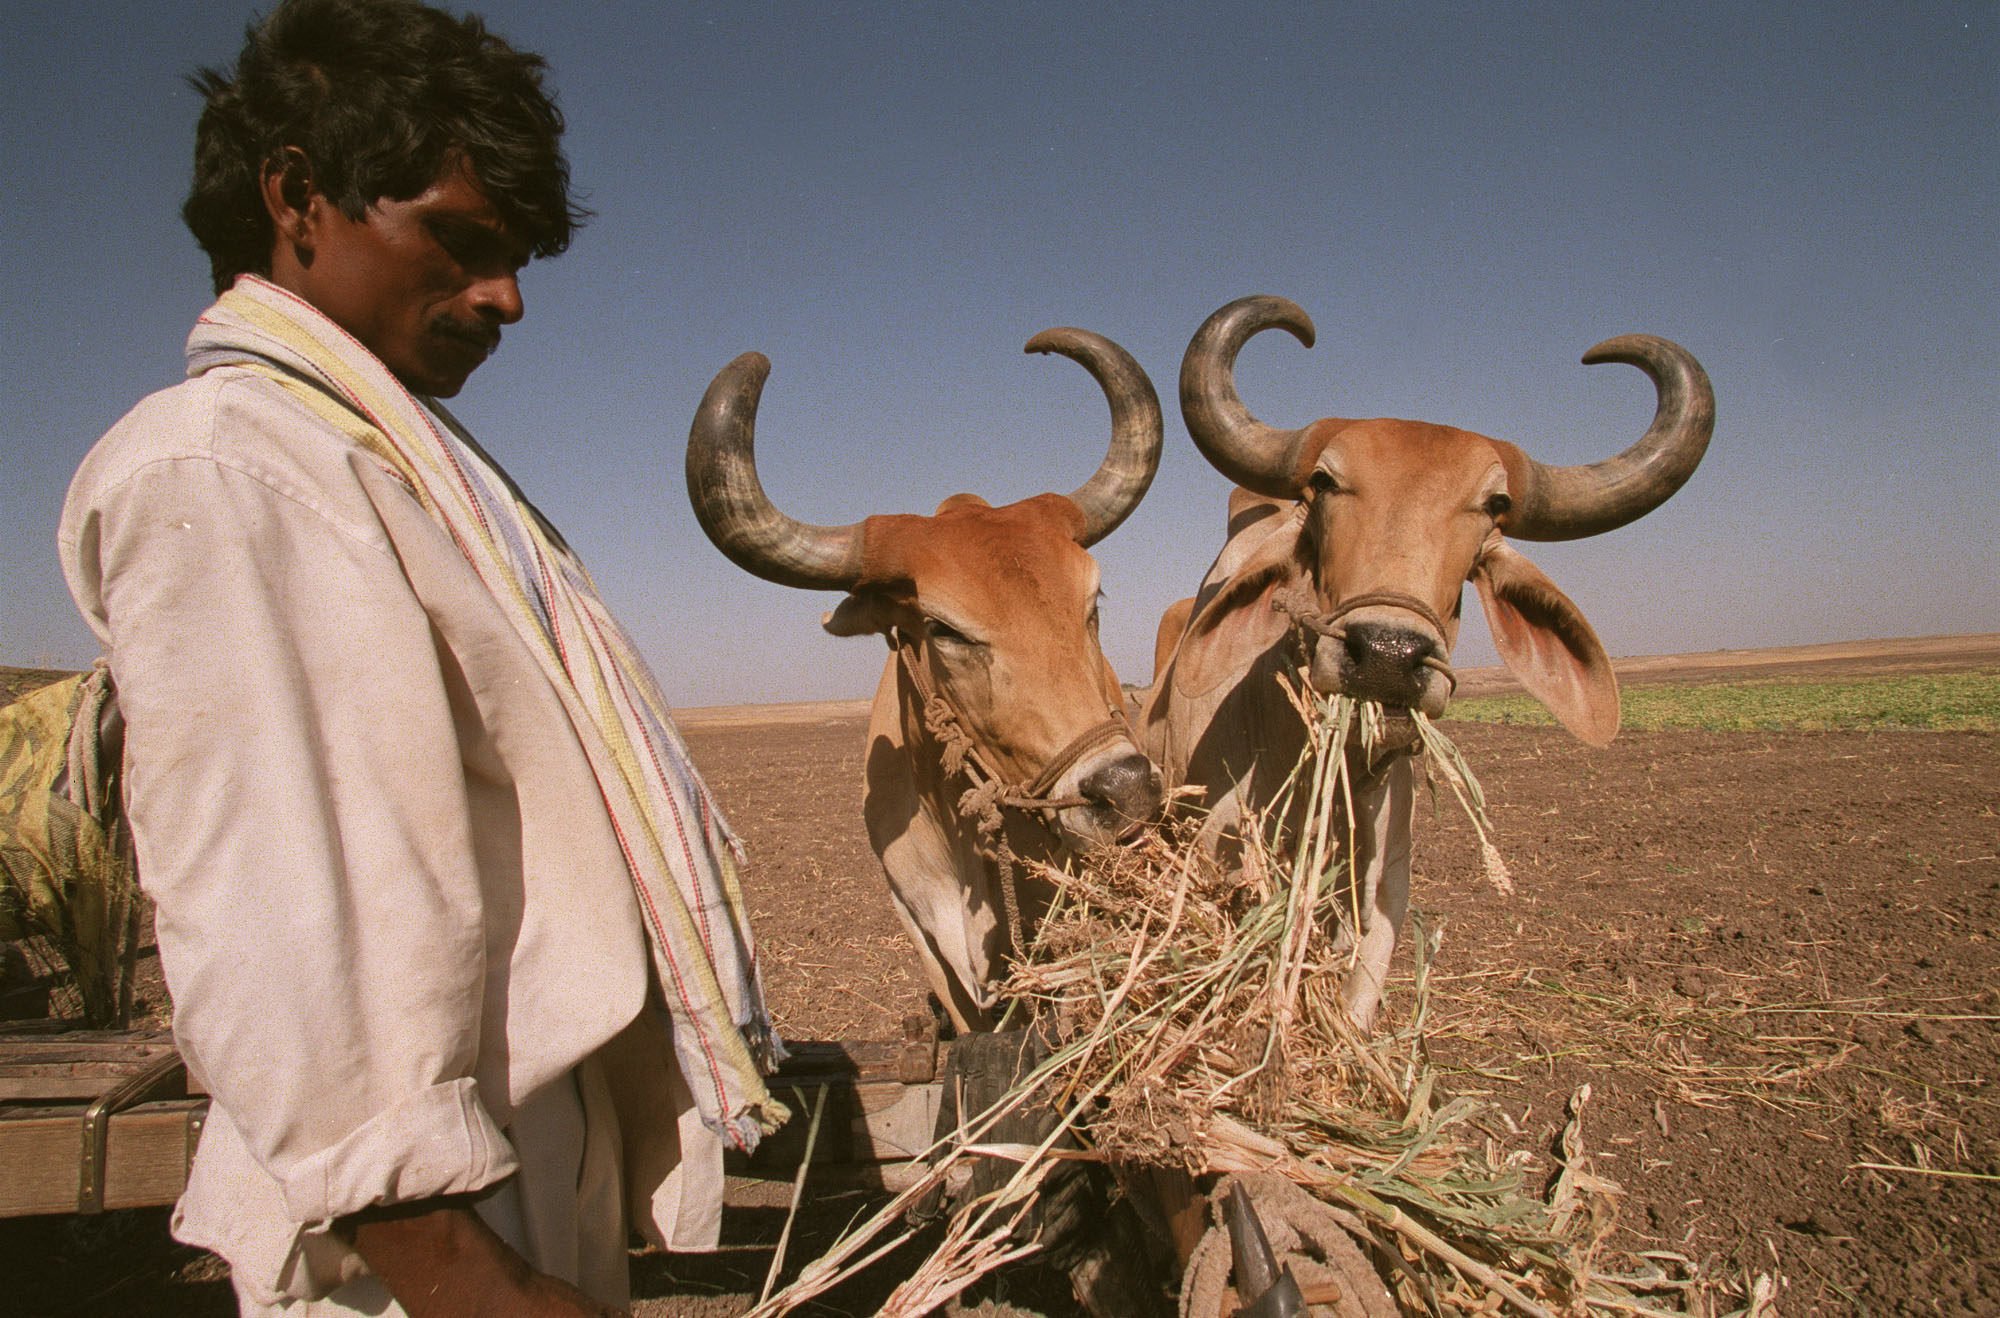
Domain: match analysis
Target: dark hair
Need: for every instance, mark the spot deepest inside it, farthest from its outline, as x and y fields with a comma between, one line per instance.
x=380, y=95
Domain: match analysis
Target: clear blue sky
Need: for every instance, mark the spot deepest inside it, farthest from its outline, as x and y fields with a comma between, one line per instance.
x=889, y=199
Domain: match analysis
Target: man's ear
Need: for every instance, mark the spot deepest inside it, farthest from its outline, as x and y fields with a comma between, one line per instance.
x=860, y=614
x=286, y=185
x=1546, y=643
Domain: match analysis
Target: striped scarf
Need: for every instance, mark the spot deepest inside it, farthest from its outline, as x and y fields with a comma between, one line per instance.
x=681, y=852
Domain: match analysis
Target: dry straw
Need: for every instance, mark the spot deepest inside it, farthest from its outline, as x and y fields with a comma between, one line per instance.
x=1199, y=1027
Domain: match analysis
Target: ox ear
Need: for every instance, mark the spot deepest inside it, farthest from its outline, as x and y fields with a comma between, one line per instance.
x=1229, y=632
x=1167, y=637
x=864, y=613
x=1235, y=624
x=1546, y=643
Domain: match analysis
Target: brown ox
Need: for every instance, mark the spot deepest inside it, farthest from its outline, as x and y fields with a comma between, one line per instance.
x=997, y=724
x=1348, y=546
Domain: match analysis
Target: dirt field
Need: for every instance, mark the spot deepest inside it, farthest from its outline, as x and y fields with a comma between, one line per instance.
x=1774, y=957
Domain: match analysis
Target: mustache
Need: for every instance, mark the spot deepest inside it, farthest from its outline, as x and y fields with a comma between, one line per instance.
x=474, y=333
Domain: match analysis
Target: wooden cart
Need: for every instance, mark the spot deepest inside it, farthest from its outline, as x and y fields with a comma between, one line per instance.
x=96, y=1120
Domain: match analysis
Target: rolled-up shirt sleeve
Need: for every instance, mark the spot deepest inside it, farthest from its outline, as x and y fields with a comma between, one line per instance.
x=295, y=784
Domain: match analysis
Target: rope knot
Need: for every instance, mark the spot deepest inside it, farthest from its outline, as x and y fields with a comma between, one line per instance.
x=954, y=745
x=982, y=803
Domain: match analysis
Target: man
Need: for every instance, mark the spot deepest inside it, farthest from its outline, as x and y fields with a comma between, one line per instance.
x=450, y=923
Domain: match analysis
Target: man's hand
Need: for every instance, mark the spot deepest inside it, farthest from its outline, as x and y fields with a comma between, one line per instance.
x=441, y=1261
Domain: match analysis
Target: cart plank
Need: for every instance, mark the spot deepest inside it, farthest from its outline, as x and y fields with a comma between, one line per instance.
x=146, y=1162
x=881, y=1106
x=75, y=1065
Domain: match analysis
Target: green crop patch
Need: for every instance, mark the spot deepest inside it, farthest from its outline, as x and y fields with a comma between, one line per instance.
x=1946, y=702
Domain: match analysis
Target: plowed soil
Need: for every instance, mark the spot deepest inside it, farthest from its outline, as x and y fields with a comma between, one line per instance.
x=1774, y=958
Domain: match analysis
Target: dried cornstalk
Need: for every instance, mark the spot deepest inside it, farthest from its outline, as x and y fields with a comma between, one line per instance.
x=1199, y=1027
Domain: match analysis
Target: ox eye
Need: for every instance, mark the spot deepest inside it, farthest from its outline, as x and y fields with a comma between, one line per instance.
x=945, y=633
x=1321, y=482
x=1498, y=505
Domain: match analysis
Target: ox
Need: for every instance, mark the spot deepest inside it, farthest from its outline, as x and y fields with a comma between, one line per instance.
x=997, y=728
x=1348, y=545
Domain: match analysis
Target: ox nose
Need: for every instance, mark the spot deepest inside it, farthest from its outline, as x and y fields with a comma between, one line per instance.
x=1128, y=787
x=1385, y=662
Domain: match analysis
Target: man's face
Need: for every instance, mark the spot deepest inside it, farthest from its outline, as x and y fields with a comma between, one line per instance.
x=425, y=284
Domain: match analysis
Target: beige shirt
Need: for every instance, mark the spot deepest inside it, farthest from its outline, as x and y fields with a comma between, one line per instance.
x=392, y=911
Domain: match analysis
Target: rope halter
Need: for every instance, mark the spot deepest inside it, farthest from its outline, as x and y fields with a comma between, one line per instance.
x=960, y=756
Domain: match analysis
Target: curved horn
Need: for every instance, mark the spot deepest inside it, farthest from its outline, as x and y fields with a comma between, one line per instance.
x=730, y=503
x=1568, y=503
x=1254, y=455
x=1109, y=497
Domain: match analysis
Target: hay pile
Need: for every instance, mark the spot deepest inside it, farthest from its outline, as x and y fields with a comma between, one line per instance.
x=1197, y=1027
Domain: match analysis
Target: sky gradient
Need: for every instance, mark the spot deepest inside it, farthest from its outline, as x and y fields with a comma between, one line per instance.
x=888, y=200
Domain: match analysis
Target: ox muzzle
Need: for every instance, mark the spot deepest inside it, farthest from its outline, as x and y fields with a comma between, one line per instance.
x=1386, y=647
x=1121, y=791
x=1100, y=788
